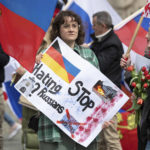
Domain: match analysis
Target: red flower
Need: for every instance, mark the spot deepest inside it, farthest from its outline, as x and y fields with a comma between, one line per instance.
x=143, y=68
x=145, y=85
x=130, y=68
x=148, y=76
x=146, y=72
x=133, y=84
x=140, y=101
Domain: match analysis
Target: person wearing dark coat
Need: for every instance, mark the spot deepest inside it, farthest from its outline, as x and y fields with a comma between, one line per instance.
x=143, y=129
x=4, y=59
x=108, y=49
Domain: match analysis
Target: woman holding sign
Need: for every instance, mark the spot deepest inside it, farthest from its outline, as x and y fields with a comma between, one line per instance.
x=68, y=26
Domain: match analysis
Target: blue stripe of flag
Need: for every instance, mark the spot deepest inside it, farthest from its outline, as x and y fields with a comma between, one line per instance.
x=70, y=68
x=39, y=12
x=145, y=22
x=85, y=19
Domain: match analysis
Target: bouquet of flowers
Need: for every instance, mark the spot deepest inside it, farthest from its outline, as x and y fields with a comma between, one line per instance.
x=140, y=81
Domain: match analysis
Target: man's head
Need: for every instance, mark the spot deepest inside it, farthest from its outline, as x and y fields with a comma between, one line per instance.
x=147, y=50
x=102, y=22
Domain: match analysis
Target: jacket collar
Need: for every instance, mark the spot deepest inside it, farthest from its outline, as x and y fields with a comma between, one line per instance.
x=103, y=37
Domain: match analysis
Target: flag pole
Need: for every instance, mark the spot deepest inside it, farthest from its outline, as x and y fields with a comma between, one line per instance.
x=146, y=9
x=134, y=36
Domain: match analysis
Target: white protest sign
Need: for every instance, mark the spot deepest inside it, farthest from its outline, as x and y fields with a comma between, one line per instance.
x=71, y=92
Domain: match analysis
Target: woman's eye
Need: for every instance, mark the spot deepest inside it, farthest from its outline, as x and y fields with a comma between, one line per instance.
x=66, y=26
x=74, y=26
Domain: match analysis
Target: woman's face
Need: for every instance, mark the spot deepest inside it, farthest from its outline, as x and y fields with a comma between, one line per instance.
x=69, y=30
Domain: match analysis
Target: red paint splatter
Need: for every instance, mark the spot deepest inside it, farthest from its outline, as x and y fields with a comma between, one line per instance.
x=113, y=100
x=97, y=116
x=77, y=133
x=81, y=140
x=72, y=135
x=90, y=126
x=81, y=128
x=87, y=130
x=70, y=123
x=121, y=95
x=89, y=118
x=103, y=110
x=112, y=104
x=95, y=119
x=97, y=108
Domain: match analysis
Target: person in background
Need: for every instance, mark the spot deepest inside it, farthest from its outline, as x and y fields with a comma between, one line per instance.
x=68, y=26
x=108, y=48
x=4, y=59
x=144, y=128
x=29, y=136
x=14, y=126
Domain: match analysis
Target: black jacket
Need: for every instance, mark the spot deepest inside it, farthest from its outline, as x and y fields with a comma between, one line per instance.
x=4, y=59
x=144, y=127
x=109, y=52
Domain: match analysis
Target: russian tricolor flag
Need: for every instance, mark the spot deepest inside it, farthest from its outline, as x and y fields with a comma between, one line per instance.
x=125, y=31
x=127, y=27
x=23, y=24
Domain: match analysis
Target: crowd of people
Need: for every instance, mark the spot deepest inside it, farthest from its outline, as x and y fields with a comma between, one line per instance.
x=106, y=54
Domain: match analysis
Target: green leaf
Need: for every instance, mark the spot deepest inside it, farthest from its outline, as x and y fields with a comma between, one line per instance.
x=134, y=73
x=134, y=106
x=144, y=96
x=135, y=91
x=138, y=86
